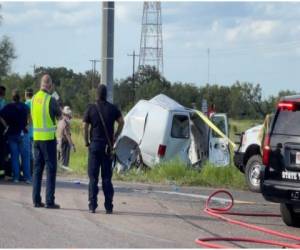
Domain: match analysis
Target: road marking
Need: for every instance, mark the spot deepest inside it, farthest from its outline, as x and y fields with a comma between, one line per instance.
x=199, y=196
x=204, y=197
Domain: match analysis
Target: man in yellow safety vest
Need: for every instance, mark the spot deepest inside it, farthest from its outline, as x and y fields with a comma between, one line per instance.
x=44, y=112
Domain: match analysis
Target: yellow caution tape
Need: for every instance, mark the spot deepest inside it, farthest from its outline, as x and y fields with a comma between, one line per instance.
x=214, y=127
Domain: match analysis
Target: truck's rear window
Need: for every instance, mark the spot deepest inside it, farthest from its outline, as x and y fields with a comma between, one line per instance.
x=180, y=126
x=287, y=123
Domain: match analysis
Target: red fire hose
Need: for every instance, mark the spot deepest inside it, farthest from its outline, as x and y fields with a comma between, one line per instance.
x=219, y=214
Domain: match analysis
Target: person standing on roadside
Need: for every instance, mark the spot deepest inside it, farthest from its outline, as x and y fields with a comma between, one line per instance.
x=14, y=117
x=2, y=97
x=2, y=137
x=44, y=112
x=28, y=138
x=99, y=120
x=64, y=139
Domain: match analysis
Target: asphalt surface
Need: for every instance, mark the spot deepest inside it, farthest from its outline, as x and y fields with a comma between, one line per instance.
x=145, y=216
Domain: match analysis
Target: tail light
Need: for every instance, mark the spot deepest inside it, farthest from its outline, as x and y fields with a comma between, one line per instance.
x=266, y=150
x=161, y=150
x=286, y=106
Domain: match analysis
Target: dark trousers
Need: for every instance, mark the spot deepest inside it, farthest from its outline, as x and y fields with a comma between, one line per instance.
x=44, y=155
x=3, y=148
x=64, y=153
x=99, y=159
x=2, y=151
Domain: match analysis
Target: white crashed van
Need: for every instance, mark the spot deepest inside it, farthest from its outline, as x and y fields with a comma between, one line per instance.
x=159, y=130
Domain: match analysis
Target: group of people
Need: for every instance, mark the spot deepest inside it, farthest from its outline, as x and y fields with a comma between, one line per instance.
x=16, y=137
x=33, y=124
x=16, y=134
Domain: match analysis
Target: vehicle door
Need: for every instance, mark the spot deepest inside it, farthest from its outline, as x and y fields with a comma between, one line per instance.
x=178, y=137
x=219, y=154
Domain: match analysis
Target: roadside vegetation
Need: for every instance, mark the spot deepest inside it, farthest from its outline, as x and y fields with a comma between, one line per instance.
x=176, y=173
x=173, y=172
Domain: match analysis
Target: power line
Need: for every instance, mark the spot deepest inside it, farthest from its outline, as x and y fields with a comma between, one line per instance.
x=208, y=65
x=133, y=71
x=94, y=63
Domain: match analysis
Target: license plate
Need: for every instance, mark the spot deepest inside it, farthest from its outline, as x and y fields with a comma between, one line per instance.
x=288, y=175
x=298, y=158
x=295, y=195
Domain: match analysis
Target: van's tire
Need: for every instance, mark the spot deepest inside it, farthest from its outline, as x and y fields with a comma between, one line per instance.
x=252, y=173
x=288, y=215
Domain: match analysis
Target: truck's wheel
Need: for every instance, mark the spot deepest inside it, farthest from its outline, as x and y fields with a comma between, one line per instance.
x=289, y=217
x=252, y=173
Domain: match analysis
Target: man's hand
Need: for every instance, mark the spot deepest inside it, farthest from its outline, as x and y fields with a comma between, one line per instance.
x=73, y=147
x=86, y=134
x=5, y=130
x=5, y=125
x=120, y=122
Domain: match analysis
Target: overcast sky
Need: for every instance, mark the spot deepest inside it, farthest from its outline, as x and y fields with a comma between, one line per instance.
x=254, y=42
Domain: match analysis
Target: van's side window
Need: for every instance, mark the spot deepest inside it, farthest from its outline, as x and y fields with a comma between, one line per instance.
x=180, y=126
x=220, y=123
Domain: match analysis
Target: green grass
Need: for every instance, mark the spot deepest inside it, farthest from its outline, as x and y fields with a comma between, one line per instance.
x=173, y=172
x=177, y=173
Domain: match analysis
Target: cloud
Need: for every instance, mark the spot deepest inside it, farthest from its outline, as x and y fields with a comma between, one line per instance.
x=70, y=5
x=73, y=18
x=252, y=29
x=64, y=15
x=30, y=15
x=128, y=12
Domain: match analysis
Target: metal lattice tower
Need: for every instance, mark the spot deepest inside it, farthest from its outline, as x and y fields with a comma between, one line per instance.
x=151, y=45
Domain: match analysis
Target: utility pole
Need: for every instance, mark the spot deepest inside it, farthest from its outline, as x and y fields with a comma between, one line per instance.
x=107, y=74
x=208, y=62
x=133, y=72
x=34, y=68
x=34, y=74
x=94, y=62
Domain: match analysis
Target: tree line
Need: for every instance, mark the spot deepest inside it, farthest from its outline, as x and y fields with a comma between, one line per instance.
x=241, y=100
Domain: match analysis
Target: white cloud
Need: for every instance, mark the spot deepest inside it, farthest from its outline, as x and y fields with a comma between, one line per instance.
x=70, y=5
x=52, y=15
x=128, y=12
x=215, y=26
x=73, y=18
x=253, y=29
x=30, y=15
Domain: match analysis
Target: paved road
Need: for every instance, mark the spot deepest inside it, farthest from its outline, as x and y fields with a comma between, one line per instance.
x=145, y=216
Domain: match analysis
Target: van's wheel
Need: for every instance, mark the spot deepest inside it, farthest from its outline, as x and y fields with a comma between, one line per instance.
x=289, y=217
x=252, y=173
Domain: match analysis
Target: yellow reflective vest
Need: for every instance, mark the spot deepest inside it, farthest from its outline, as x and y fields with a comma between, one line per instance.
x=44, y=127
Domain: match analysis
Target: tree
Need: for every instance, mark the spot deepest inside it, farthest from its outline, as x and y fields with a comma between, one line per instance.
x=7, y=54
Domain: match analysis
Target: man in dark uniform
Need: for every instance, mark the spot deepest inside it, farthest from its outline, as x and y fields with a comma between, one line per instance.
x=99, y=139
